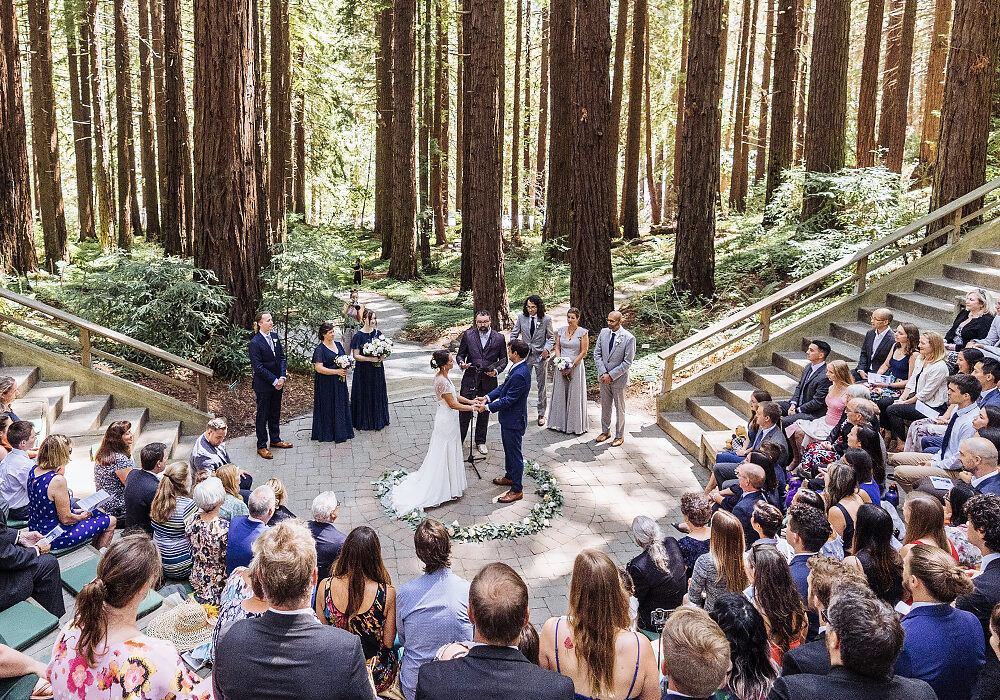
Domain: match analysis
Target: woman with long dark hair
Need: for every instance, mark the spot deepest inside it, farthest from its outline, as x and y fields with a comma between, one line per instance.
x=370, y=398
x=864, y=471
x=865, y=438
x=112, y=463
x=331, y=404
x=751, y=672
x=875, y=555
x=843, y=499
x=658, y=573
x=359, y=597
x=777, y=598
x=956, y=525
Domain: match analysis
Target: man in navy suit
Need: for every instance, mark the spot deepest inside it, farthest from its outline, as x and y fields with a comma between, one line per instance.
x=267, y=359
x=510, y=402
x=809, y=398
x=983, y=513
x=695, y=654
x=987, y=371
x=807, y=532
x=482, y=354
x=875, y=348
x=979, y=457
x=751, y=478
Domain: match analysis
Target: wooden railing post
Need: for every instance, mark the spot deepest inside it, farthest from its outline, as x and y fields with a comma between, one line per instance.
x=861, y=275
x=203, y=393
x=668, y=374
x=85, y=358
x=956, y=226
x=765, y=324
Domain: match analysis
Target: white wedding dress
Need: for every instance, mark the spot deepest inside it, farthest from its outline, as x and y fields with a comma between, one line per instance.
x=441, y=477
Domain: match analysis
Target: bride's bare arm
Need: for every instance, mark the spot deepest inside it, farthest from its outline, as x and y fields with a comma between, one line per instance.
x=460, y=404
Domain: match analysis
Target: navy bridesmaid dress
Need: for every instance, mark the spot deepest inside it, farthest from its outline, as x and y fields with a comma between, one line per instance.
x=331, y=404
x=371, y=399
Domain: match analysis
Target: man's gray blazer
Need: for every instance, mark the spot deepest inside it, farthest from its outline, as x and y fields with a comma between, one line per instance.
x=543, y=338
x=616, y=360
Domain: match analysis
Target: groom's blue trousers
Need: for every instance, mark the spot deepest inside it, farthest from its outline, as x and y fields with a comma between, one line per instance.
x=513, y=461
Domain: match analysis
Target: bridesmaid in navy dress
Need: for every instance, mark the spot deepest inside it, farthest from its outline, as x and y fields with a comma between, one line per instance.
x=371, y=400
x=331, y=405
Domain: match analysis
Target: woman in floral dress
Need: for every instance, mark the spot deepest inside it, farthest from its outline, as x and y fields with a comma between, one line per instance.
x=122, y=662
x=241, y=599
x=112, y=464
x=208, y=535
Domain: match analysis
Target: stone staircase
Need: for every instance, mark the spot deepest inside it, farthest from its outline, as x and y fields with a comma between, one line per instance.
x=707, y=421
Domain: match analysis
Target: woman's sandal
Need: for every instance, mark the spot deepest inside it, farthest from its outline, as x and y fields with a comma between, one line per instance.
x=42, y=690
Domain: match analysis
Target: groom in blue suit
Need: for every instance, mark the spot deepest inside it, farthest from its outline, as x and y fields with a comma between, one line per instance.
x=510, y=402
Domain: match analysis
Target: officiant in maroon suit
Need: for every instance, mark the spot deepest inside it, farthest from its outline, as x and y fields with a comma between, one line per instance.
x=482, y=353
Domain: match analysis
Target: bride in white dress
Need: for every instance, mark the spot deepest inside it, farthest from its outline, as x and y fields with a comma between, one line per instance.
x=441, y=477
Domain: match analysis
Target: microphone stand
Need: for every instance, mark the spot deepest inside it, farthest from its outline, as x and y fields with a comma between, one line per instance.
x=472, y=431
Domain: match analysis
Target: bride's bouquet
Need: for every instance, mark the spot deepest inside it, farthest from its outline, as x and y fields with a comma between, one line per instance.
x=344, y=362
x=562, y=364
x=379, y=347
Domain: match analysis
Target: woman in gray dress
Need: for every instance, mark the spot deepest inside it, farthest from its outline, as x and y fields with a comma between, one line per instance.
x=568, y=410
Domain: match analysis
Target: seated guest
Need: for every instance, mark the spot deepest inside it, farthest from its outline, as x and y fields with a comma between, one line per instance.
x=928, y=384
x=658, y=573
x=927, y=434
x=280, y=512
x=50, y=505
x=141, y=486
x=170, y=513
x=5, y=448
x=943, y=646
x=989, y=679
x=899, y=364
x=15, y=664
x=825, y=576
x=924, y=518
x=963, y=390
x=807, y=431
x=987, y=371
x=593, y=644
x=751, y=478
x=833, y=547
x=737, y=453
x=493, y=669
x=722, y=569
x=876, y=347
x=864, y=470
x=973, y=322
x=967, y=359
x=8, y=394
x=807, y=532
x=234, y=504
x=328, y=538
x=102, y=653
x=27, y=569
x=843, y=499
x=243, y=530
x=766, y=522
x=285, y=652
x=984, y=532
x=776, y=596
x=358, y=596
x=859, y=414
x=208, y=535
x=956, y=526
x=751, y=672
x=209, y=451
x=874, y=554
x=809, y=398
x=979, y=458
x=696, y=655
x=432, y=609
x=112, y=465
x=15, y=467
x=241, y=599
x=697, y=512
x=767, y=418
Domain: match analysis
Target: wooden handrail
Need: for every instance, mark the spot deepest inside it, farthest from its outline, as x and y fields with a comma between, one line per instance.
x=767, y=307
x=87, y=330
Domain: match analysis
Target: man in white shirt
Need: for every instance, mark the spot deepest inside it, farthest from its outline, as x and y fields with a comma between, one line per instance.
x=15, y=468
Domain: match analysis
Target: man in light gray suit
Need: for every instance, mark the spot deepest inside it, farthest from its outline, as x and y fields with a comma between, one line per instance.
x=613, y=354
x=536, y=327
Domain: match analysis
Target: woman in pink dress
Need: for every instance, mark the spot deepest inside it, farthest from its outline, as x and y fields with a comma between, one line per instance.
x=805, y=432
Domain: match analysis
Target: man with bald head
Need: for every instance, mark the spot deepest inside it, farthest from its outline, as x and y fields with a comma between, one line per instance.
x=751, y=478
x=613, y=355
x=979, y=458
x=877, y=345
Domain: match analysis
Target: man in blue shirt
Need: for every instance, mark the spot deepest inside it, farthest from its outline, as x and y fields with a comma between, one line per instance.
x=245, y=529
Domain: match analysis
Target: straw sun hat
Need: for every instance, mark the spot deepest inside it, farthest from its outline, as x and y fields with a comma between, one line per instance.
x=186, y=625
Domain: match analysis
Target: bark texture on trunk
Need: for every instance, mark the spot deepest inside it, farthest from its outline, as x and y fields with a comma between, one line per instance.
x=779, y=155
x=765, y=96
x=543, y=116
x=868, y=91
x=174, y=209
x=562, y=76
x=896, y=88
x=934, y=88
x=99, y=119
x=147, y=128
x=630, y=186
x=126, y=135
x=403, y=264
x=383, y=129
x=75, y=50
x=281, y=118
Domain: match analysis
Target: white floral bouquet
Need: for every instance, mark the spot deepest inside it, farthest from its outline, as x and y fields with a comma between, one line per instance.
x=562, y=364
x=379, y=347
x=344, y=362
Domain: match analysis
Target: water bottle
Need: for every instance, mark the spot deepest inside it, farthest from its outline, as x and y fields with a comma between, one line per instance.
x=892, y=495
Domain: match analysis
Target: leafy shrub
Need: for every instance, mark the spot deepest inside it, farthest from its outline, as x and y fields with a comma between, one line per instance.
x=226, y=352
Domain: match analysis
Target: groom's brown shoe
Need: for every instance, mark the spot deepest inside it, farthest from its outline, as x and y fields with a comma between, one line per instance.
x=510, y=497
x=602, y=437
x=265, y=453
x=502, y=481
x=618, y=442
x=283, y=445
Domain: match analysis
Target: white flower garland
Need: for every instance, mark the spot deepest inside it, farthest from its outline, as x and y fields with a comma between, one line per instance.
x=540, y=517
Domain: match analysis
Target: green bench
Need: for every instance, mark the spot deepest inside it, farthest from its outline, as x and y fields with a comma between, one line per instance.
x=17, y=524
x=74, y=579
x=17, y=688
x=23, y=624
x=66, y=550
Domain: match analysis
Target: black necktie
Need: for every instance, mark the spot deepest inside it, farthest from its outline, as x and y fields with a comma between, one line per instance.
x=947, y=433
x=611, y=342
x=532, y=326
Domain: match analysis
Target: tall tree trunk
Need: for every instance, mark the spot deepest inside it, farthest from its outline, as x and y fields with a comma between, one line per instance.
x=81, y=121
x=262, y=175
x=445, y=117
x=300, y=138
x=896, y=88
x=800, y=119
x=934, y=89
x=403, y=264
x=868, y=91
x=559, y=211
x=741, y=147
x=439, y=146
x=694, y=252
x=224, y=70
x=466, y=283
x=618, y=89
x=515, y=149
x=147, y=128
x=651, y=183
x=126, y=137
x=383, y=129
x=526, y=111
x=630, y=186
x=174, y=209
x=102, y=173
x=17, y=249
x=424, y=170
x=543, y=117
x=826, y=130
x=779, y=156
x=281, y=118
x=159, y=90
x=483, y=180
x=680, y=99
x=739, y=76
x=44, y=134
x=765, y=96
x=893, y=46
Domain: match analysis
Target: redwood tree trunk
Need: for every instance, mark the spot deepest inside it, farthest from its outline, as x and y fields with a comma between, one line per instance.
x=126, y=136
x=466, y=284
x=630, y=186
x=424, y=170
x=868, y=92
x=896, y=88
x=681, y=84
x=651, y=183
x=439, y=145
x=281, y=117
x=383, y=129
x=300, y=140
x=543, y=117
x=147, y=128
x=159, y=90
x=562, y=76
x=800, y=119
x=934, y=89
x=17, y=250
x=515, y=150
x=102, y=173
x=224, y=69
x=779, y=156
x=765, y=96
x=173, y=211
x=741, y=149
x=826, y=128
x=526, y=111
x=694, y=252
x=618, y=89
x=404, y=234
x=81, y=121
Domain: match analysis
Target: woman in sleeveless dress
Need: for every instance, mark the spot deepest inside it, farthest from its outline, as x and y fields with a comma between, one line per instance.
x=803, y=433
x=352, y=318
x=441, y=477
x=568, y=412
x=370, y=408
x=359, y=597
x=331, y=404
x=875, y=555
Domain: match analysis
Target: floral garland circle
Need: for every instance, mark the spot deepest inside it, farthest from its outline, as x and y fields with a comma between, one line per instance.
x=541, y=515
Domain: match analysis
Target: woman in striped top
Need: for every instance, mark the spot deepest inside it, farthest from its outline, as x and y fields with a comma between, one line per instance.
x=171, y=511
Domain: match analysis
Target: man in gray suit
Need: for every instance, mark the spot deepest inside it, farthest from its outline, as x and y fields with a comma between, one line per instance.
x=287, y=652
x=613, y=354
x=536, y=327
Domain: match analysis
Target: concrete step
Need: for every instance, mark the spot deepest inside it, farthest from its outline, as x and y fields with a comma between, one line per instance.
x=852, y=332
x=736, y=394
x=82, y=414
x=52, y=396
x=975, y=274
x=712, y=443
x=167, y=432
x=947, y=289
x=685, y=429
x=900, y=316
x=772, y=379
x=792, y=362
x=26, y=377
x=136, y=416
x=986, y=257
x=839, y=349
x=715, y=413
x=922, y=305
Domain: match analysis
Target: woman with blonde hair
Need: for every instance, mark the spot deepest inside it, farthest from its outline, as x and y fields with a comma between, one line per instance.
x=594, y=645
x=723, y=568
x=8, y=393
x=170, y=513
x=280, y=494
x=803, y=433
x=928, y=384
x=234, y=504
x=924, y=518
x=973, y=322
x=49, y=501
